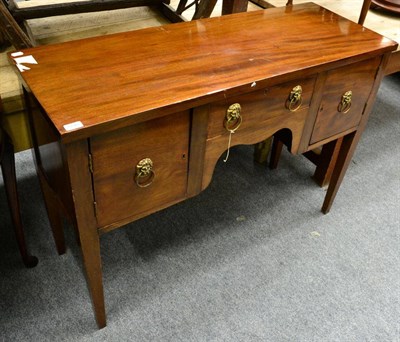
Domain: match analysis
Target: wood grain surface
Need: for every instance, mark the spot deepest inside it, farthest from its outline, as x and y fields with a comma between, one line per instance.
x=123, y=75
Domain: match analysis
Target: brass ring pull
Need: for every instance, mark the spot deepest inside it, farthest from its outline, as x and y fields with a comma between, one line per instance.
x=345, y=104
x=295, y=99
x=144, y=175
x=233, y=119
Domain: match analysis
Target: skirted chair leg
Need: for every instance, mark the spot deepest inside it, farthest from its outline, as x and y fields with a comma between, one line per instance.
x=10, y=183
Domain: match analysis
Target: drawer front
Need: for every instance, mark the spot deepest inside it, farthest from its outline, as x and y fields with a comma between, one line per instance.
x=262, y=110
x=122, y=187
x=339, y=109
x=263, y=113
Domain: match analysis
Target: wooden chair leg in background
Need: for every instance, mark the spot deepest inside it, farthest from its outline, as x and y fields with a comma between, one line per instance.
x=364, y=11
x=234, y=6
x=10, y=183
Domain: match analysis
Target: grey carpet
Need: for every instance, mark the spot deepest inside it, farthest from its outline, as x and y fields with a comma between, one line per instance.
x=252, y=258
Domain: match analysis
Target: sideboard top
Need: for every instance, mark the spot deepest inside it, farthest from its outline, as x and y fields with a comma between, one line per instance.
x=105, y=82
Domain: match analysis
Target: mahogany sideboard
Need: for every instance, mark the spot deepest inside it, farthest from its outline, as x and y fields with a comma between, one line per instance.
x=131, y=123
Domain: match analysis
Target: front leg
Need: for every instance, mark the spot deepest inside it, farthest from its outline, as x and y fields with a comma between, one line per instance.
x=86, y=223
x=346, y=152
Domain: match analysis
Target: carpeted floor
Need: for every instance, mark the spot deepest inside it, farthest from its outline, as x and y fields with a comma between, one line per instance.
x=252, y=258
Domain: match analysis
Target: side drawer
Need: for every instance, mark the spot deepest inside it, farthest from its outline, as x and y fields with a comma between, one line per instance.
x=121, y=190
x=334, y=116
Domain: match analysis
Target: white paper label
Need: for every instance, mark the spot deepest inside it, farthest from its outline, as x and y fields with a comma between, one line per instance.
x=23, y=59
x=73, y=125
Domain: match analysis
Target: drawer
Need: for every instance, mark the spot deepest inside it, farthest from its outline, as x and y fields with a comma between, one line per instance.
x=122, y=189
x=262, y=112
x=334, y=116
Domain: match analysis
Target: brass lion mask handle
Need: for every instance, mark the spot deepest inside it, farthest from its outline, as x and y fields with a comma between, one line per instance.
x=233, y=118
x=144, y=174
x=232, y=121
x=345, y=104
x=295, y=99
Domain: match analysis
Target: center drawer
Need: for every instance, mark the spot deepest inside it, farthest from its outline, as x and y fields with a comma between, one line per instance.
x=140, y=169
x=262, y=112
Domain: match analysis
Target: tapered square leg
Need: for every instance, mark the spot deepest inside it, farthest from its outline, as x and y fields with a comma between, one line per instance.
x=86, y=224
x=326, y=162
x=276, y=151
x=345, y=154
x=53, y=213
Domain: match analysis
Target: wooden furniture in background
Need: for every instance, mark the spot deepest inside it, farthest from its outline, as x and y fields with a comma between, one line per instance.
x=203, y=8
x=389, y=5
x=393, y=5
x=7, y=160
x=113, y=145
x=7, y=163
x=11, y=30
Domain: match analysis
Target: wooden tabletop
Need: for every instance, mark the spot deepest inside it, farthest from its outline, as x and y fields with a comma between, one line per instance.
x=110, y=81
